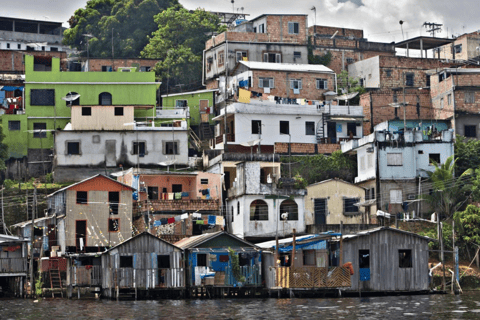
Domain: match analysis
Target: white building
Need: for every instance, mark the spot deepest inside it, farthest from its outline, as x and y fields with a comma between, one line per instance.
x=277, y=123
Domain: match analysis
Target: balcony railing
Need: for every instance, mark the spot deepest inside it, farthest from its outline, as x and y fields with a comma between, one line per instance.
x=148, y=278
x=13, y=265
x=312, y=277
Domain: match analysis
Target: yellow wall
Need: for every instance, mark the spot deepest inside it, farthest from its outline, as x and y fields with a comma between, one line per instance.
x=102, y=118
x=334, y=191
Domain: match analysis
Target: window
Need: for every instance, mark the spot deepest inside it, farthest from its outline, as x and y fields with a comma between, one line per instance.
x=19, y=46
x=433, y=158
x=370, y=194
x=295, y=84
x=118, y=111
x=349, y=207
x=470, y=131
x=201, y=260
x=405, y=258
x=181, y=103
x=441, y=103
x=388, y=73
x=152, y=193
x=176, y=188
x=126, y=262
x=272, y=57
x=396, y=196
x=39, y=130
x=170, y=147
x=13, y=125
x=352, y=129
x=469, y=97
x=394, y=159
x=113, y=225
x=203, y=181
x=42, y=97
x=105, y=99
x=145, y=69
x=53, y=49
x=309, y=128
x=241, y=55
x=297, y=55
x=139, y=148
x=449, y=99
x=363, y=259
x=290, y=207
x=284, y=127
x=265, y=83
x=409, y=79
x=113, y=200
x=293, y=28
x=256, y=126
x=258, y=210
x=428, y=81
x=309, y=257
x=457, y=48
x=238, y=207
x=322, y=84
x=221, y=58
x=107, y=69
x=96, y=138
x=8, y=45
x=163, y=261
x=82, y=197
x=320, y=210
x=351, y=60
x=86, y=111
x=73, y=148
x=261, y=28
x=29, y=48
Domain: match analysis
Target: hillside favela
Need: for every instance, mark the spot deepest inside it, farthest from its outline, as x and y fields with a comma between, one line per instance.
x=239, y=159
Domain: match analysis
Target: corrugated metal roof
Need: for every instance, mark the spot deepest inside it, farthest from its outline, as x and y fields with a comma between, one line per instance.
x=286, y=67
x=95, y=176
x=190, y=92
x=367, y=232
x=145, y=233
x=26, y=223
x=198, y=240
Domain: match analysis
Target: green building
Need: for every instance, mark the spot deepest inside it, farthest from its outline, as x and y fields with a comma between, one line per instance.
x=29, y=133
x=201, y=106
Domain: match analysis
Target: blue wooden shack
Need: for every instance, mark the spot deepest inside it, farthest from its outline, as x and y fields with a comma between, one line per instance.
x=211, y=265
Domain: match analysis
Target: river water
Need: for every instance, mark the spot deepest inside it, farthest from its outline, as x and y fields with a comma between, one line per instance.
x=466, y=306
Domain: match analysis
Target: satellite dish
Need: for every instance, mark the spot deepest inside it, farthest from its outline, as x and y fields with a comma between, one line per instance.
x=398, y=104
x=251, y=143
x=284, y=216
x=167, y=163
x=347, y=96
x=71, y=97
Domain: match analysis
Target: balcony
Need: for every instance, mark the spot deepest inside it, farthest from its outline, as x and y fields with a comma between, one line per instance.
x=176, y=113
x=13, y=265
x=178, y=205
x=311, y=277
x=230, y=138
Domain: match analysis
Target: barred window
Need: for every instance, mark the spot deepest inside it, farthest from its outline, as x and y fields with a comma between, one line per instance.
x=42, y=97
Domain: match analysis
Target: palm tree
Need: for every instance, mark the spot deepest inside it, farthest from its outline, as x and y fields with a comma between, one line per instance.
x=449, y=192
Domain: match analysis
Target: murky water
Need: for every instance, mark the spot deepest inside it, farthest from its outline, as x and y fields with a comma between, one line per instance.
x=466, y=306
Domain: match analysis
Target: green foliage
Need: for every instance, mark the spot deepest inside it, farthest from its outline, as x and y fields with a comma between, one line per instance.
x=469, y=223
x=449, y=192
x=39, y=285
x=351, y=85
x=49, y=178
x=3, y=150
x=432, y=233
x=179, y=42
x=132, y=21
x=300, y=183
x=9, y=183
x=467, y=153
x=321, y=167
x=235, y=263
x=317, y=59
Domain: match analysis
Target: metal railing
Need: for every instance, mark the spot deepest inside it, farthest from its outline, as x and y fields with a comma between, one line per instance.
x=13, y=265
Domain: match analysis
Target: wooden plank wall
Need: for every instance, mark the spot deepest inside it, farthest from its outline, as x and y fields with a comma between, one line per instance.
x=385, y=273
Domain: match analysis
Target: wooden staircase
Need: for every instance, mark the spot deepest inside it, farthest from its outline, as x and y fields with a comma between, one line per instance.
x=205, y=131
x=55, y=279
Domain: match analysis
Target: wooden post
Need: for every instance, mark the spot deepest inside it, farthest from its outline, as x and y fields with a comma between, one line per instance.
x=341, y=244
x=293, y=249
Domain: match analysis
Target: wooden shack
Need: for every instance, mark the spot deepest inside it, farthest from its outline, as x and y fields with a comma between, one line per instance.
x=143, y=266
x=13, y=265
x=211, y=271
x=387, y=260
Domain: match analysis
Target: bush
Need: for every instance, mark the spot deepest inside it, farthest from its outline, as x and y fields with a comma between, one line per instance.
x=8, y=183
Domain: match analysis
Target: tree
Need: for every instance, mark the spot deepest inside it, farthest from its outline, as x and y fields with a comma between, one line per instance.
x=3, y=150
x=468, y=223
x=449, y=192
x=130, y=21
x=467, y=152
x=179, y=42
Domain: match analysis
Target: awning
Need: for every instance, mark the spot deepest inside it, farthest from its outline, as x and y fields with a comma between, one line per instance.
x=380, y=213
x=344, y=119
x=217, y=117
x=11, y=88
x=366, y=203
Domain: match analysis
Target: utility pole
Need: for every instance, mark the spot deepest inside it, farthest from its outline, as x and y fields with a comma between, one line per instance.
x=259, y=138
x=432, y=27
x=32, y=232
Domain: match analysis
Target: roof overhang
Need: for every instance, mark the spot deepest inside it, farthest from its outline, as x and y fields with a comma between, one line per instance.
x=423, y=43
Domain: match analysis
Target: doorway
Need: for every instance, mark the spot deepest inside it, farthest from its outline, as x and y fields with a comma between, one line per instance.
x=81, y=235
x=332, y=132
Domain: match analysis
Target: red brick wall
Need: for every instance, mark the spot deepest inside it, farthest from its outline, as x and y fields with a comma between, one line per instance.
x=330, y=31
x=18, y=66
x=282, y=87
x=306, y=148
x=277, y=29
x=96, y=64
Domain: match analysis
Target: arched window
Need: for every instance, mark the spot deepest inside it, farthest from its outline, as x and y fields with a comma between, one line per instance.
x=75, y=102
x=258, y=210
x=105, y=99
x=290, y=207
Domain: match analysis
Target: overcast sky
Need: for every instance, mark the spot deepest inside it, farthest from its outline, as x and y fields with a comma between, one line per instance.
x=378, y=18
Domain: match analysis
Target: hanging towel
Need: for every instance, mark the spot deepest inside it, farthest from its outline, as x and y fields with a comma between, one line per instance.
x=170, y=196
x=184, y=216
x=171, y=220
x=244, y=96
x=219, y=221
x=157, y=223
x=178, y=196
x=197, y=215
x=178, y=218
x=204, y=192
x=184, y=194
x=212, y=219
x=164, y=221
x=199, y=222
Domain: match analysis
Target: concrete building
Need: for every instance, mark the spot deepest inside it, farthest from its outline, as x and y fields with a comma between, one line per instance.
x=392, y=162
x=462, y=48
x=332, y=202
x=270, y=127
x=455, y=94
x=267, y=38
x=346, y=46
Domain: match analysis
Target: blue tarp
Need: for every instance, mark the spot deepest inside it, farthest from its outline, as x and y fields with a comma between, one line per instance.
x=11, y=88
x=302, y=245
